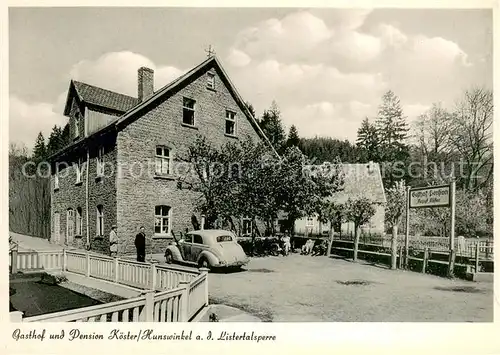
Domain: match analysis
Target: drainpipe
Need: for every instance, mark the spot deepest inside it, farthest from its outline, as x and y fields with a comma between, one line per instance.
x=87, y=246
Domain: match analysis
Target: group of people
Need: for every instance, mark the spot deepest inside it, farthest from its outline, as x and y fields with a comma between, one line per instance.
x=313, y=249
x=140, y=243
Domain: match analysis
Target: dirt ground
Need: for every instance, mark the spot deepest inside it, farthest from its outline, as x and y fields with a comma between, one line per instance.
x=304, y=288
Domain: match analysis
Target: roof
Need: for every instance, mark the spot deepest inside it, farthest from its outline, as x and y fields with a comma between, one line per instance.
x=211, y=232
x=120, y=101
x=101, y=97
x=361, y=181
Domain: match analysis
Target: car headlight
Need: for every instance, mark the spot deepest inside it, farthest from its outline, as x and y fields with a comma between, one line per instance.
x=222, y=262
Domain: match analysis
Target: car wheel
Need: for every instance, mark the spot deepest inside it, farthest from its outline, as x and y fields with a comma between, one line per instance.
x=204, y=263
x=169, y=259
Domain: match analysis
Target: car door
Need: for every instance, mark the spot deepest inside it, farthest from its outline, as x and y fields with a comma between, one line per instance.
x=187, y=246
x=197, y=246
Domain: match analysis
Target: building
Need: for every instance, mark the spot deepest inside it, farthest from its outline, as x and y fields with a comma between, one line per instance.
x=120, y=167
x=360, y=180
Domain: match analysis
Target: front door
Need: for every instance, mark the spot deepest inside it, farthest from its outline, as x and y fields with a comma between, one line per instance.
x=186, y=247
x=57, y=228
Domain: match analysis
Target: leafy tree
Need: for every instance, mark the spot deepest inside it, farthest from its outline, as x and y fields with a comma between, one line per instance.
x=272, y=126
x=358, y=210
x=293, y=137
x=39, y=150
x=333, y=213
x=367, y=141
x=250, y=108
x=394, y=210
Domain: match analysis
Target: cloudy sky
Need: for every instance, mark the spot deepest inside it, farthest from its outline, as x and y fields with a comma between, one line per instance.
x=326, y=68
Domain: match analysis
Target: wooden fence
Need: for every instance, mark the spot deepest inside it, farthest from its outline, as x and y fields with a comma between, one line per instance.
x=478, y=258
x=172, y=294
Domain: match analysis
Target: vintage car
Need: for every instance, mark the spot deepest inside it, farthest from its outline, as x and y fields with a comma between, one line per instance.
x=210, y=248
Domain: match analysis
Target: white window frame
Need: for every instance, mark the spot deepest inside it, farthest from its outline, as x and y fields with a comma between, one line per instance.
x=243, y=231
x=309, y=221
x=70, y=224
x=78, y=222
x=56, y=177
x=162, y=219
x=162, y=158
x=100, y=162
x=193, y=109
x=211, y=81
x=100, y=221
x=232, y=119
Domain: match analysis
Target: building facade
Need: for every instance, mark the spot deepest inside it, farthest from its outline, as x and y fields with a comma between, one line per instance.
x=128, y=153
x=360, y=180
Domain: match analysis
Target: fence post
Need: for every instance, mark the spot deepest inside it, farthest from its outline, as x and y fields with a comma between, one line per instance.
x=451, y=265
x=401, y=257
x=87, y=262
x=116, y=270
x=153, y=277
x=64, y=261
x=204, y=271
x=476, y=267
x=13, y=262
x=184, y=316
x=147, y=314
x=426, y=259
x=16, y=316
x=487, y=249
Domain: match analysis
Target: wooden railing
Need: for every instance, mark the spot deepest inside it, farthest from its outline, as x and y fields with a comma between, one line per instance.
x=198, y=293
x=35, y=260
x=134, y=273
x=168, y=277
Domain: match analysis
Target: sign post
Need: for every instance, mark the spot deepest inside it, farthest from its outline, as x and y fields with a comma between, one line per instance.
x=430, y=197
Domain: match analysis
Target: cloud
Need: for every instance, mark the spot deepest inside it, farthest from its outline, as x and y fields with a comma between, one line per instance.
x=26, y=120
x=238, y=58
x=117, y=71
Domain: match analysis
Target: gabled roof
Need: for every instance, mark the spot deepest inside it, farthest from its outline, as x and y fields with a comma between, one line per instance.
x=362, y=180
x=100, y=97
x=112, y=98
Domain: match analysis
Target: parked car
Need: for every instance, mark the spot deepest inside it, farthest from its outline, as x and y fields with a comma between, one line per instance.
x=210, y=248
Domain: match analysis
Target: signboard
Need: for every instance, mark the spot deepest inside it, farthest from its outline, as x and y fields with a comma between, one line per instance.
x=433, y=196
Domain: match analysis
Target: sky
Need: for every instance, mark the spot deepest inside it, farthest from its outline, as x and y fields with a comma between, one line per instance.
x=327, y=69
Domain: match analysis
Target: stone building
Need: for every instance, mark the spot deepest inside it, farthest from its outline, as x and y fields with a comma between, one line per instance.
x=360, y=180
x=120, y=167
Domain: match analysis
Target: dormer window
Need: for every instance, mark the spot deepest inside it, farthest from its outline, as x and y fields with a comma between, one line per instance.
x=211, y=81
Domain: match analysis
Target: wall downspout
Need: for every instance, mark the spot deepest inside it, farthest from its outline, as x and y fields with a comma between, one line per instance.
x=87, y=246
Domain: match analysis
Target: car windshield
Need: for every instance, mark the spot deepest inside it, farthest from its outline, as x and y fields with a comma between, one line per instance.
x=224, y=238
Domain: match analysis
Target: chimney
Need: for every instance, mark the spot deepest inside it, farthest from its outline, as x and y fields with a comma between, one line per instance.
x=145, y=83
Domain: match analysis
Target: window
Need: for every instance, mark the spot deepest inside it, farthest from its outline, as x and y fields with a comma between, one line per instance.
x=188, y=238
x=78, y=221
x=197, y=239
x=188, y=111
x=162, y=160
x=100, y=162
x=100, y=221
x=211, y=81
x=224, y=238
x=56, y=177
x=310, y=221
x=76, y=127
x=162, y=219
x=70, y=225
x=247, y=226
x=78, y=167
x=230, y=123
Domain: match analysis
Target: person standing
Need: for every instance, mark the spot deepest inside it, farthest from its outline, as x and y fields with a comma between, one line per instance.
x=113, y=242
x=140, y=245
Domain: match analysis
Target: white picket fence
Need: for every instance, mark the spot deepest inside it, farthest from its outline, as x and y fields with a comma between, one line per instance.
x=172, y=294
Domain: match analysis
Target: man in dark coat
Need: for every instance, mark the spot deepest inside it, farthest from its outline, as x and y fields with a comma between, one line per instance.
x=140, y=245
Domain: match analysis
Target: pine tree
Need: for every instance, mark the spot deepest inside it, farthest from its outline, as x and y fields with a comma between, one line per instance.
x=293, y=137
x=273, y=128
x=367, y=141
x=55, y=140
x=39, y=150
x=250, y=108
x=392, y=128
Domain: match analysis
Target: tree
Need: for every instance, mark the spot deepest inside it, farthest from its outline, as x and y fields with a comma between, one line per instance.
x=394, y=210
x=250, y=108
x=293, y=137
x=471, y=137
x=367, y=141
x=358, y=210
x=272, y=126
x=333, y=213
x=39, y=150
x=326, y=149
